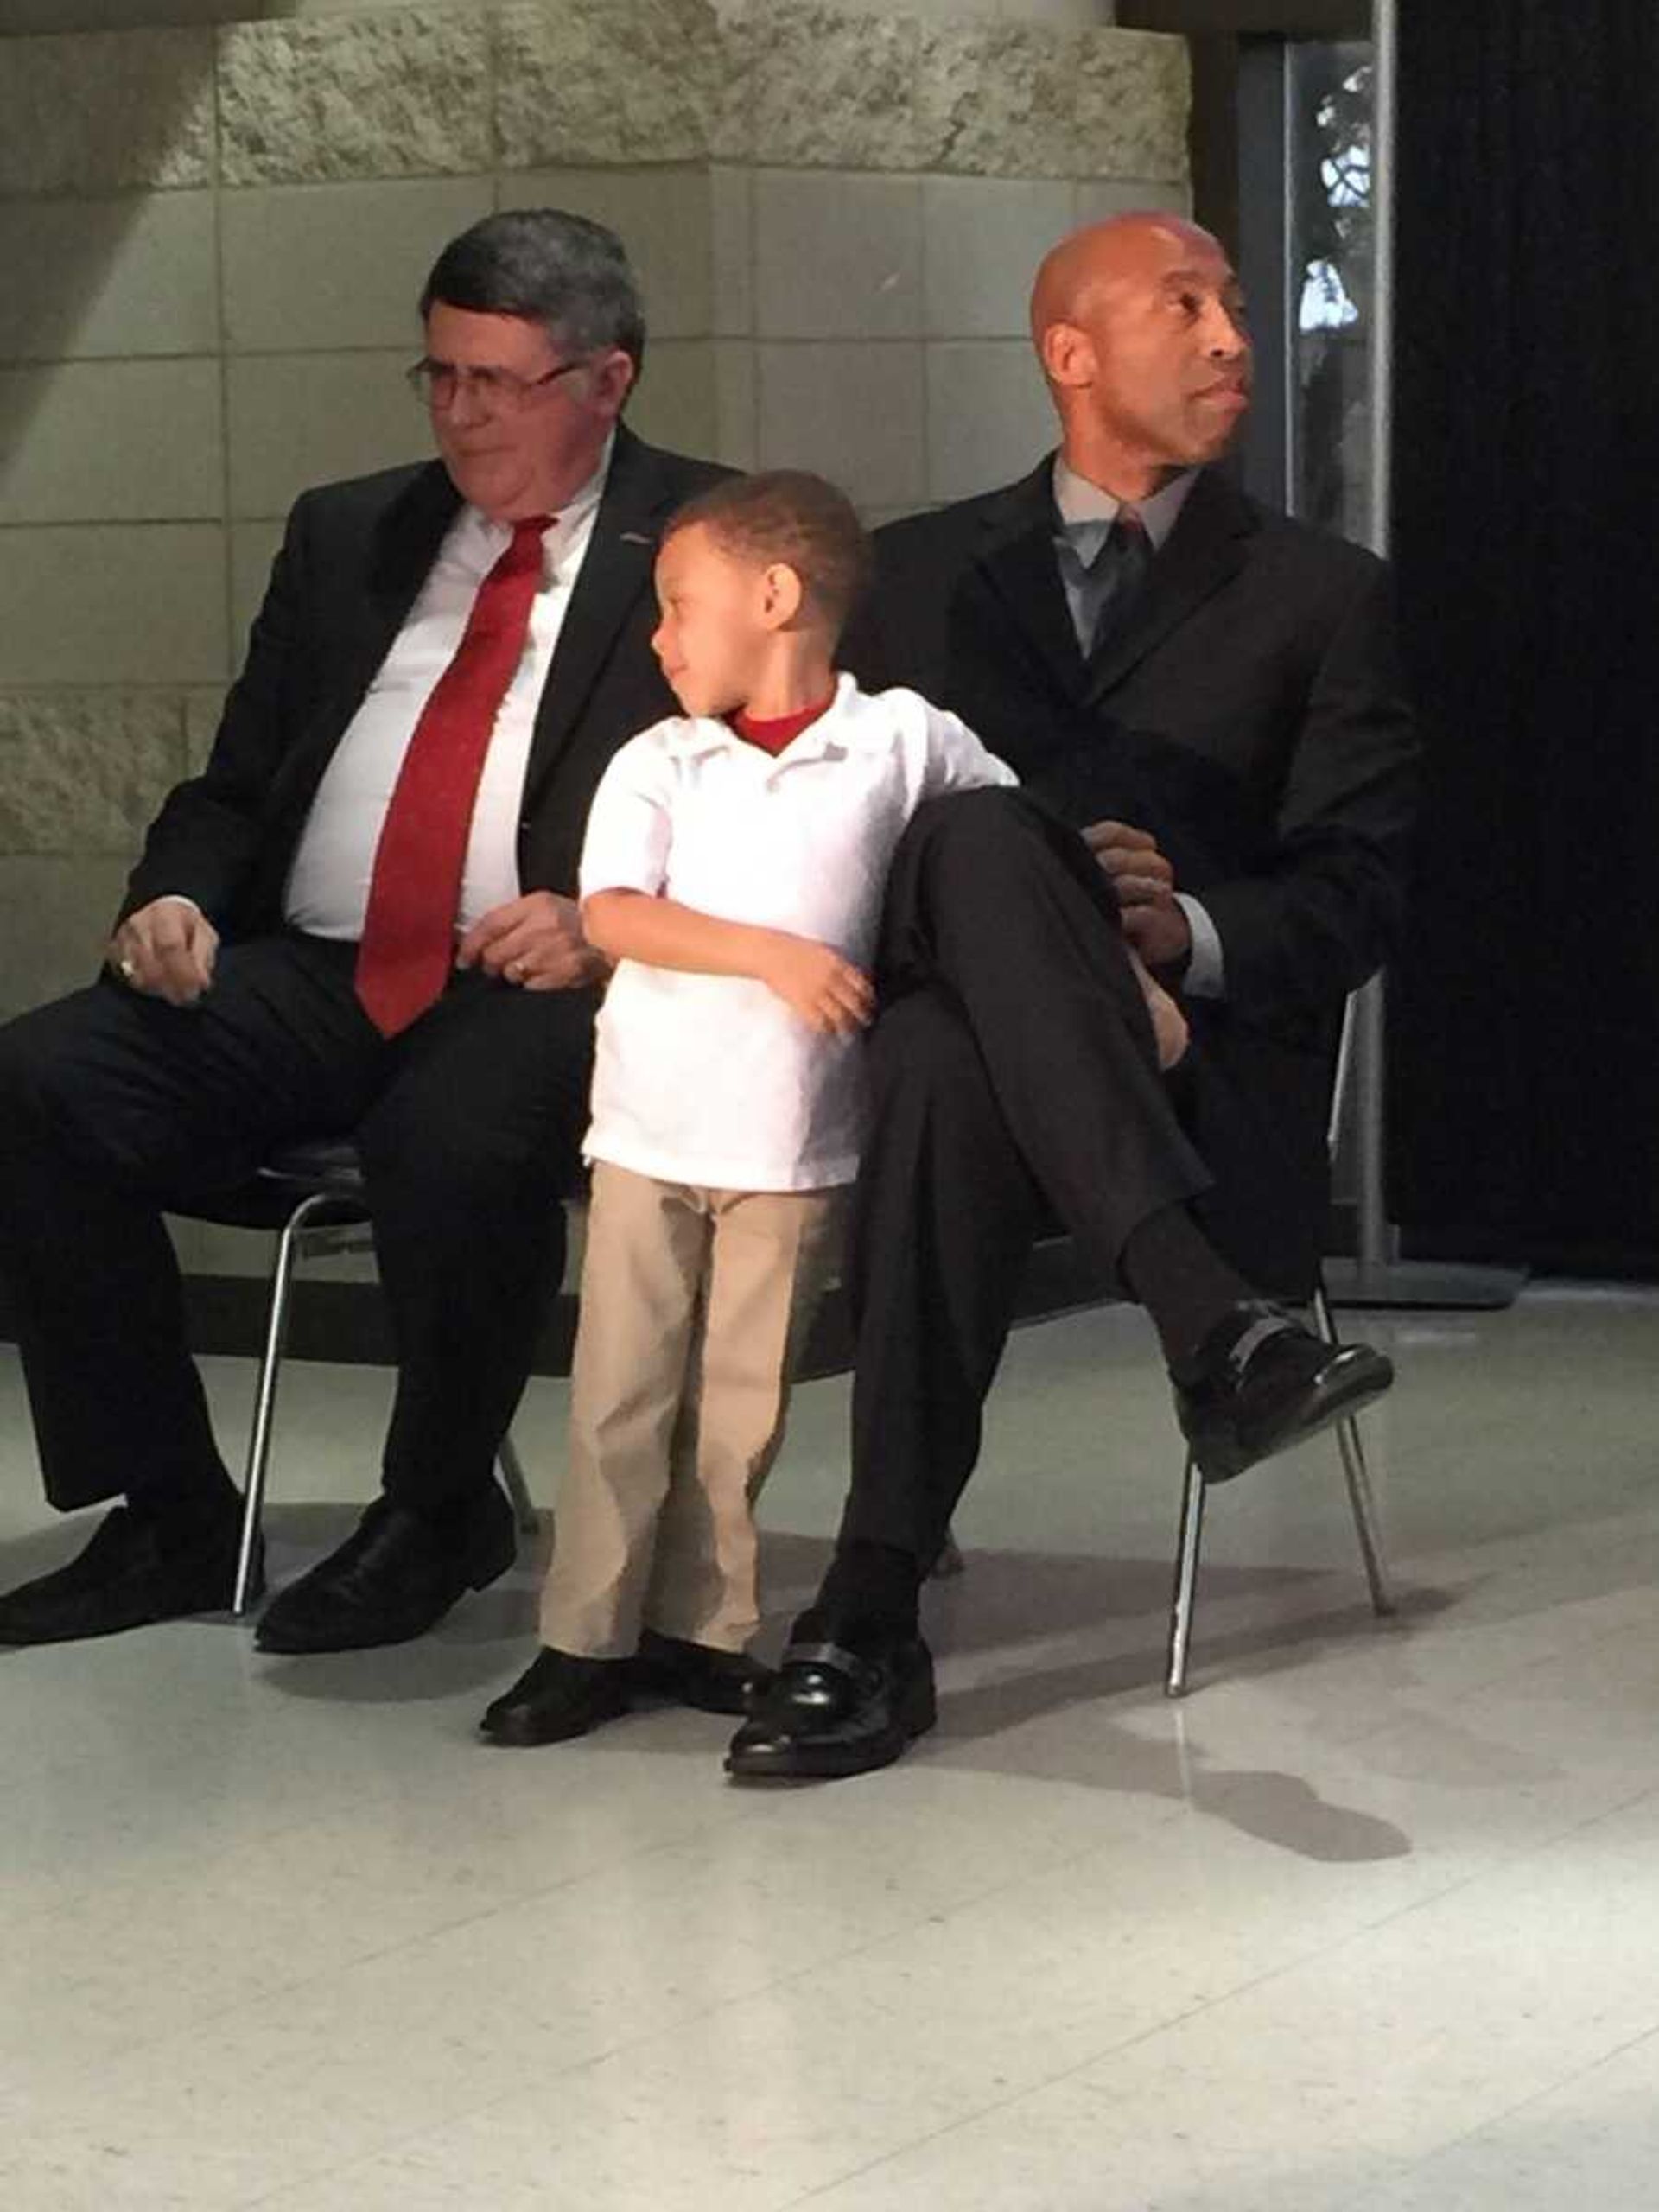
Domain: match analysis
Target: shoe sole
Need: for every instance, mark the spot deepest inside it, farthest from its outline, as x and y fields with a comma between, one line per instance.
x=15, y=1641
x=1343, y=1401
x=808, y=1762
x=213, y=1608
x=529, y=1739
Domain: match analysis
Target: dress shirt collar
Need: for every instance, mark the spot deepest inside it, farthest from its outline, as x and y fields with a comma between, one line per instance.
x=487, y=540
x=841, y=728
x=1087, y=514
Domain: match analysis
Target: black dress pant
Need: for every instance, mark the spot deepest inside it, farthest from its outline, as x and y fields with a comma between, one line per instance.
x=1016, y=1084
x=114, y=1106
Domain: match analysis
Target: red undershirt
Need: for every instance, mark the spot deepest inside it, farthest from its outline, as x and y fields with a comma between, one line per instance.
x=771, y=736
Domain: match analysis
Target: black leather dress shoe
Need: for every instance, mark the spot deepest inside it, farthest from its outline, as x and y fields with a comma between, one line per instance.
x=134, y=1570
x=829, y=1712
x=395, y=1577
x=559, y=1696
x=696, y=1675
x=1264, y=1382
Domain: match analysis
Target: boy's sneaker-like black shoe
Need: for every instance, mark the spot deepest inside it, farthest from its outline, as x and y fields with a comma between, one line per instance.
x=559, y=1696
x=695, y=1675
x=1261, y=1383
x=831, y=1712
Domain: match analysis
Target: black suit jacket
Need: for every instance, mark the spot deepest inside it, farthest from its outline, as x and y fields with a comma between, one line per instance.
x=353, y=558
x=1253, y=716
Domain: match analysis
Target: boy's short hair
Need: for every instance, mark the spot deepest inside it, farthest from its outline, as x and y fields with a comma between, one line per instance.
x=789, y=515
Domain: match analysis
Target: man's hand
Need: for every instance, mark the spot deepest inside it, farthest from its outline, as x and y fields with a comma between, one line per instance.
x=829, y=993
x=1154, y=922
x=166, y=951
x=536, y=941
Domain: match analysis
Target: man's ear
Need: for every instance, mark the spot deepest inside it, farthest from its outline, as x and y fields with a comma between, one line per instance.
x=1067, y=353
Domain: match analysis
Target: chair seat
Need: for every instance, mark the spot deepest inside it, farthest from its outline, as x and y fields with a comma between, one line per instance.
x=313, y=1167
x=319, y=1163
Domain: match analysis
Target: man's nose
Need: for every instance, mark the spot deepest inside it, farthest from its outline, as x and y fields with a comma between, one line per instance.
x=466, y=406
x=1225, y=336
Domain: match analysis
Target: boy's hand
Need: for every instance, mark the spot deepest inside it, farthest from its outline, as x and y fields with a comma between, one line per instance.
x=829, y=993
x=1169, y=1026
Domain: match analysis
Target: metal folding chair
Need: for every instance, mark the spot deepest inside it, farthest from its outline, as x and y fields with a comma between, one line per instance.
x=312, y=1194
x=1350, y=1447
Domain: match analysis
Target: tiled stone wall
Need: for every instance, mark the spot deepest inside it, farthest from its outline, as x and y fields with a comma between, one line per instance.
x=213, y=237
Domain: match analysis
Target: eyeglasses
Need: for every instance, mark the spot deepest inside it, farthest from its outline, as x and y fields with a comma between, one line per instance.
x=439, y=384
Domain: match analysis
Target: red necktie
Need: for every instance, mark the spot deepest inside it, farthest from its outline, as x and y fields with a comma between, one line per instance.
x=408, y=932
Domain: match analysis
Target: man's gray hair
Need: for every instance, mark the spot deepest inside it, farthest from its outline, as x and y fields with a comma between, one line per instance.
x=562, y=271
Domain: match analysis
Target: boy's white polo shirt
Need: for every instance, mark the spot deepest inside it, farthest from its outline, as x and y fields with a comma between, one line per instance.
x=712, y=1079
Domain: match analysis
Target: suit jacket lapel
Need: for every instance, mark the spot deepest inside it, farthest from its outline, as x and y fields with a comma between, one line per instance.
x=407, y=540
x=1204, y=550
x=616, y=568
x=1018, y=559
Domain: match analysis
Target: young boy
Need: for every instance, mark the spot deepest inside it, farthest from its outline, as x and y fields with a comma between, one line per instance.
x=735, y=865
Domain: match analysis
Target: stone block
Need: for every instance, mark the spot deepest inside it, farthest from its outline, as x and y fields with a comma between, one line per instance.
x=605, y=81
x=1024, y=99
x=853, y=412
x=110, y=442
x=384, y=93
x=87, y=279
x=1133, y=96
x=122, y=603
x=984, y=238
x=1096, y=198
x=254, y=546
x=735, y=397
x=676, y=405
x=314, y=266
x=664, y=218
x=837, y=256
x=731, y=212
x=811, y=86
x=300, y=419
x=83, y=771
x=115, y=112
x=988, y=417
x=54, y=922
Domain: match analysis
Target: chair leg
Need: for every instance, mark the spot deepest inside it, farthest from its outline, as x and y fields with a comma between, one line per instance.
x=948, y=1561
x=1186, y=1580
x=289, y=1246
x=1361, y=1498
x=512, y=1474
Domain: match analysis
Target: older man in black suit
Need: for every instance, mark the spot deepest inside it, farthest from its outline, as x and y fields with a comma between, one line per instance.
x=1209, y=694
x=361, y=917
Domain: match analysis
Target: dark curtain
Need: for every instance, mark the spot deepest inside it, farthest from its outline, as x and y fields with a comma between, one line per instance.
x=1525, y=1008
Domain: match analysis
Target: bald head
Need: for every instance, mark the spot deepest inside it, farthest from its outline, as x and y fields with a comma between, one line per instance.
x=1139, y=325
x=1121, y=248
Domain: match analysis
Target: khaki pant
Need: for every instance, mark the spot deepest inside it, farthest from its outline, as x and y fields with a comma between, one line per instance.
x=693, y=1306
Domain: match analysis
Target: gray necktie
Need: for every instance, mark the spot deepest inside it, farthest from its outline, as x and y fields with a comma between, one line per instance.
x=1115, y=577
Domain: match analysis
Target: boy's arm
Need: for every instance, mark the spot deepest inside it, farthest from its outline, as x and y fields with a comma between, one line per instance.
x=956, y=761
x=1169, y=1023
x=829, y=993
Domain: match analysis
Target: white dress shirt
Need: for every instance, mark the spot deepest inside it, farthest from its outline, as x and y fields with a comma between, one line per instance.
x=1087, y=514
x=712, y=1079
x=327, y=890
